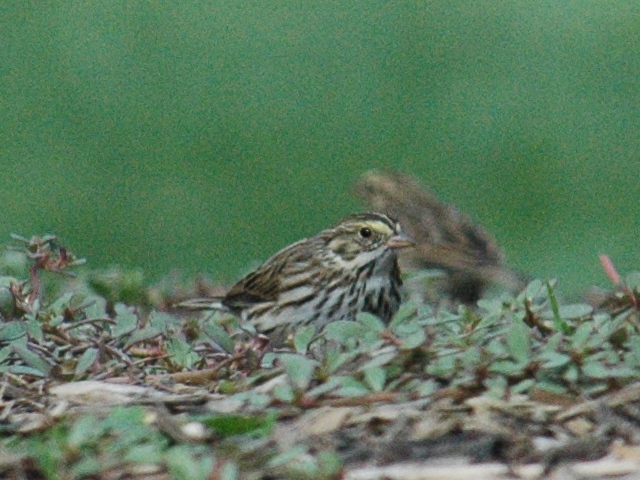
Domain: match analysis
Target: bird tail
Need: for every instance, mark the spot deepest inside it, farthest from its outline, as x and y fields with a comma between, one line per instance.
x=210, y=303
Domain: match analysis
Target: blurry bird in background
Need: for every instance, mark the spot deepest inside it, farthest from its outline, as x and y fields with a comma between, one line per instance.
x=447, y=239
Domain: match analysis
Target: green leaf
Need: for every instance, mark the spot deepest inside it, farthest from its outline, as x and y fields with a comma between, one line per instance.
x=231, y=425
x=406, y=312
x=329, y=386
x=87, y=429
x=21, y=370
x=162, y=321
x=35, y=308
x=5, y=352
x=553, y=343
x=55, y=321
x=507, y=367
x=146, y=333
x=497, y=386
x=122, y=418
x=496, y=348
x=257, y=400
x=97, y=309
x=534, y=289
x=581, y=335
x=375, y=378
x=219, y=335
x=184, y=464
x=596, y=389
x=518, y=342
x=576, y=310
x=299, y=368
x=146, y=453
x=61, y=304
x=442, y=367
x=284, y=393
x=595, y=370
x=634, y=346
x=181, y=352
x=9, y=331
x=126, y=320
x=523, y=386
x=552, y=387
x=86, y=360
x=492, y=307
x=292, y=454
x=230, y=471
x=380, y=360
x=34, y=330
x=414, y=340
x=350, y=387
x=7, y=302
x=555, y=360
x=32, y=359
x=607, y=329
x=48, y=451
x=559, y=323
x=598, y=370
x=490, y=320
x=370, y=321
x=571, y=373
x=88, y=467
x=341, y=330
x=427, y=388
x=472, y=356
x=572, y=311
x=303, y=338
x=336, y=359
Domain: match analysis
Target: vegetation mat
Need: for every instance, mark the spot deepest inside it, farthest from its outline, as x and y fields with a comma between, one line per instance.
x=102, y=378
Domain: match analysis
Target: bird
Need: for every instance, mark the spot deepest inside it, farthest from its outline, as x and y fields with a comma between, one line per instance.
x=445, y=237
x=348, y=268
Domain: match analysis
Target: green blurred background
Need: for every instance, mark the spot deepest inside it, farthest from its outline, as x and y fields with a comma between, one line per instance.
x=205, y=135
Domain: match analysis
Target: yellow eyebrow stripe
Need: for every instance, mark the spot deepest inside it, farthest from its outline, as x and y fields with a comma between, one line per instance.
x=379, y=227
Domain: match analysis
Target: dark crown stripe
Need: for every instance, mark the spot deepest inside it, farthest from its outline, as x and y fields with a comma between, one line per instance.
x=369, y=217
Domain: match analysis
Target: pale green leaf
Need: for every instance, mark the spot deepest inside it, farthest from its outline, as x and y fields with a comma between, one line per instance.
x=406, y=312
x=350, y=387
x=181, y=352
x=9, y=331
x=414, y=340
x=219, y=335
x=581, y=335
x=375, y=377
x=555, y=360
x=303, y=337
x=341, y=330
x=284, y=393
x=299, y=368
x=146, y=333
x=32, y=359
x=518, y=341
x=370, y=321
x=86, y=360
x=126, y=320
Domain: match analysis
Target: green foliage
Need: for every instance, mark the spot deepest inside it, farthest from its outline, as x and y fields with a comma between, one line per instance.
x=233, y=425
x=507, y=346
x=92, y=444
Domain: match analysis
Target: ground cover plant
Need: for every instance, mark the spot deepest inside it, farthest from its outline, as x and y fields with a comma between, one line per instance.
x=103, y=378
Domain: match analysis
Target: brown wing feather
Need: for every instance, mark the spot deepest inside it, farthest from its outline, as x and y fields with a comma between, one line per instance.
x=264, y=284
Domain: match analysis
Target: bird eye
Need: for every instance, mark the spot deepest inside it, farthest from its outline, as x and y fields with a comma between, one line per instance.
x=365, y=232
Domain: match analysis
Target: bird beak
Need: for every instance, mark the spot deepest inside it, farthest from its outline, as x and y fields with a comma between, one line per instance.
x=401, y=240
